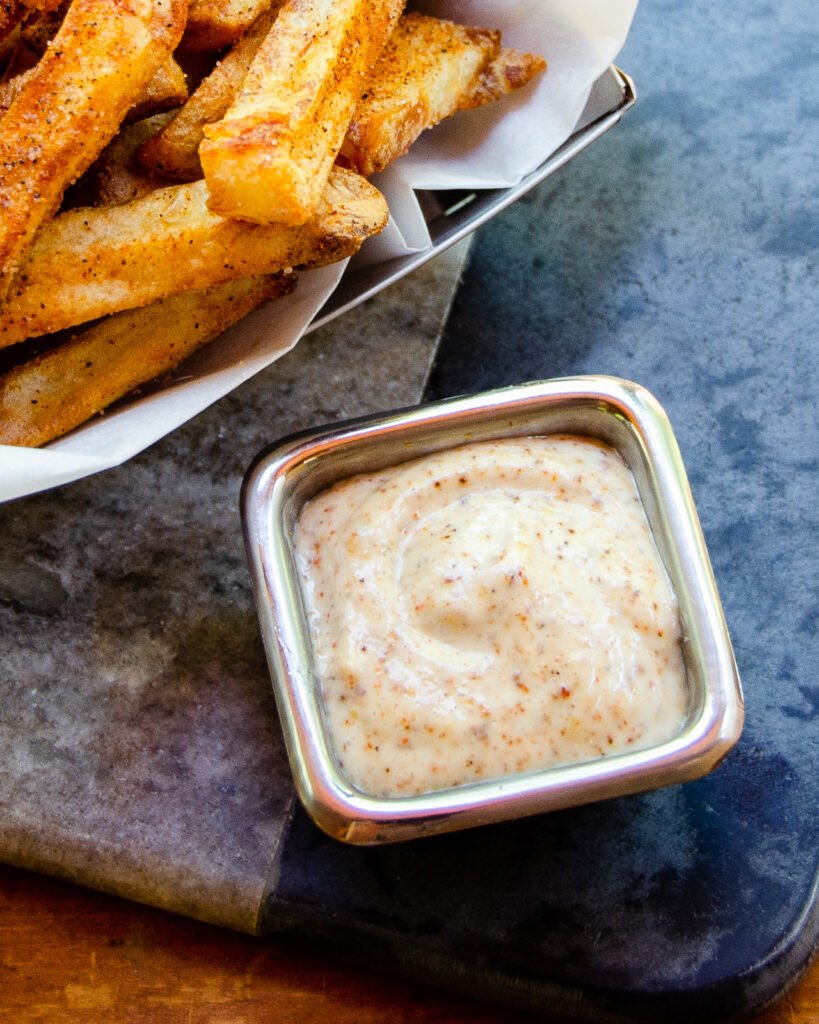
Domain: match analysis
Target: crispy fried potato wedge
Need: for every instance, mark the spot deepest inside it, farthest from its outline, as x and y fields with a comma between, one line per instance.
x=25, y=33
x=42, y=6
x=425, y=67
x=10, y=12
x=117, y=177
x=21, y=48
x=173, y=153
x=45, y=398
x=11, y=88
x=268, y=159
x=428, y=70
x=507, y=71
x=167, y=89
x=215, y=24
x=36, y=30
x=103, y=56
x=40, y=25
x=9, y=16
x=88, y=263
x=426, y=73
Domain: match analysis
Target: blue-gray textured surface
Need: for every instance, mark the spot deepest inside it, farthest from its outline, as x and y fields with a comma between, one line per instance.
x=680, y=251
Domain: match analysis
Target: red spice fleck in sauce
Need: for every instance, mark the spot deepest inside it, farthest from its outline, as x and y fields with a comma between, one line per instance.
x=506, y=594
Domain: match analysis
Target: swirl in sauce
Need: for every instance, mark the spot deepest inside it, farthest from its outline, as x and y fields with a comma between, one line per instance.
x=489, y=610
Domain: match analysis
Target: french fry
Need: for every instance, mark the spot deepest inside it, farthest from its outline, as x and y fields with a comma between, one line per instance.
x=117, y=177
x=45, y=398
x=42, y=6
x=173, y=152
x=428, y=70
x=103, y=56
x=87, y=263
x=9, y=36
x=268, y=159
x=166, y=89
x=425, y=66
x=35, y=31
x=9, y=17
x=23, y=46
x=41, y=24
x=507, y=71
x=11, y=88
x=10, y=12
x=215, y=24
x=9, y=27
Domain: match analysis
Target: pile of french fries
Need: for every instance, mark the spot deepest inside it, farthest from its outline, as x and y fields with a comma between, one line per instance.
x=166, y=166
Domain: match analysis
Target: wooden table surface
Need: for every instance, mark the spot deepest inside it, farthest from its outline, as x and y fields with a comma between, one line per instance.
x=71, y=955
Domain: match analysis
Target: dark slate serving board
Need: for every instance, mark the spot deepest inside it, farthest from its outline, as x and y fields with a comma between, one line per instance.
x=140, y=750
x=679, y=252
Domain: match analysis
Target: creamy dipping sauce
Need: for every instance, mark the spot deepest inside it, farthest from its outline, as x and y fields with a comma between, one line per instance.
x=487, y=611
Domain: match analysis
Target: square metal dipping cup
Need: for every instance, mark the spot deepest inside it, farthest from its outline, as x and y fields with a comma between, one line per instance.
x=622, y=414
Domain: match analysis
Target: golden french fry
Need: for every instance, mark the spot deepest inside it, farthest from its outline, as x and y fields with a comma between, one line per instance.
x=428, y=70
x=87, y=263
x=55, y=392
x=425, y=66
x=24, y=36
x=24, y=43
x=215, y=24
x=40, y=25
x=36, y=30
x=12, y=87
x=9, y=29
x=166, y=89
x=42, y=6
x=507, y=71
x=72, y=105
x=117, y=177
x=173, y=153
x=268, y=159
x=9, y=16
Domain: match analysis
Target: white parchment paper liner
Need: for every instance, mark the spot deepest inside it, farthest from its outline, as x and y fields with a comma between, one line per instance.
x=492, y=147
